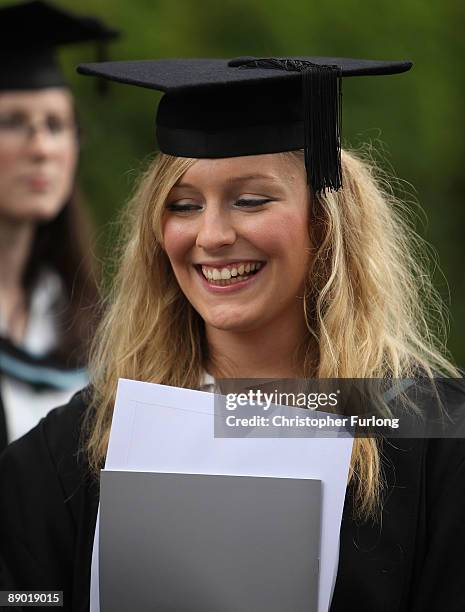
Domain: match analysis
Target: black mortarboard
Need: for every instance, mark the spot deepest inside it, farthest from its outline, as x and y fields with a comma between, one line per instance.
x=29, y=35
x=216, y=108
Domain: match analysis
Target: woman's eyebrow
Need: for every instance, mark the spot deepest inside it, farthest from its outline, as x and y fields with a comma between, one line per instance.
x=252, y=177
x=234, y=179
x=185, y=185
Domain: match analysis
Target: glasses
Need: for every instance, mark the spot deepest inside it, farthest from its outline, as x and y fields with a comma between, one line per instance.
x=17, y=129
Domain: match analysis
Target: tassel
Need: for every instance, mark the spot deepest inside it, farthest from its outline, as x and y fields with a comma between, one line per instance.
x=322, y=112
x=322, y=95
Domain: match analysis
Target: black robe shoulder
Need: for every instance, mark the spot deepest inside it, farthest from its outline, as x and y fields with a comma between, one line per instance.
x=411, y=560
x=48, y=509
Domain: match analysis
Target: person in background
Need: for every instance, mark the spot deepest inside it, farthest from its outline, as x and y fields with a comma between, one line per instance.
x=48, y=289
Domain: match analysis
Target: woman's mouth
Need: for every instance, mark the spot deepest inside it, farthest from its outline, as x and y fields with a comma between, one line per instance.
x=38, y=183
x=230, y=274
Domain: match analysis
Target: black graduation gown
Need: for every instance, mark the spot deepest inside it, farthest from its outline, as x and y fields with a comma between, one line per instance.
x=413, y=560
x=3, y=429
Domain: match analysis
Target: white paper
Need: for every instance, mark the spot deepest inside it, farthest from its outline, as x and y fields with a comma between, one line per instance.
x=166, y=429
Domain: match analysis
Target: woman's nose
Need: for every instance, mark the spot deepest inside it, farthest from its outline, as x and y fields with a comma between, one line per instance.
x=216, y=229
x=40, y=144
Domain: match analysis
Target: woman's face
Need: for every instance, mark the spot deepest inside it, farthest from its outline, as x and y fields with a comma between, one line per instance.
x=38, y=153
x=236, y=233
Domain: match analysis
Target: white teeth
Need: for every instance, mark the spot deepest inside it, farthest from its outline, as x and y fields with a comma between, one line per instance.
x=207, y=272
x=226, y=274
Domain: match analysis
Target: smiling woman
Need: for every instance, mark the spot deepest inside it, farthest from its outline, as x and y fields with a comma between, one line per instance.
x=255, y=247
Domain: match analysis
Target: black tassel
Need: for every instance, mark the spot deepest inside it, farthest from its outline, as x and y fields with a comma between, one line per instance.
x=322, y=111
x=322, y=95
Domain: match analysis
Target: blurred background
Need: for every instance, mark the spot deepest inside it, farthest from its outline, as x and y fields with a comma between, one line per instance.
x=415, y=121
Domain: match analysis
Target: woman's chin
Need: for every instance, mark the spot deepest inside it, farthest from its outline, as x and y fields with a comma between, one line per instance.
x=232, y=322
x=40, y=210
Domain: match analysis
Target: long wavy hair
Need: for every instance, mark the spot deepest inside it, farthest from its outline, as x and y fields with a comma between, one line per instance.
x=370, y=307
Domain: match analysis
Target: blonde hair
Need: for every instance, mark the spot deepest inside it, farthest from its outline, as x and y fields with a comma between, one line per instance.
x=370, y=307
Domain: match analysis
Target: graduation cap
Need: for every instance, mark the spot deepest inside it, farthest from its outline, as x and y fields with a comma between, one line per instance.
x=215, y=108
x=30, y=32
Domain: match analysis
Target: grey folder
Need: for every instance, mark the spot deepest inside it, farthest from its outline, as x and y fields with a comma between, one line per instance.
x=188, y=542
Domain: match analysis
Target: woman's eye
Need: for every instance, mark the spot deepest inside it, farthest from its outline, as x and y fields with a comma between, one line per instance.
x=251, y=202
x=56, y=125
x=12, y=121
x=180, y=207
